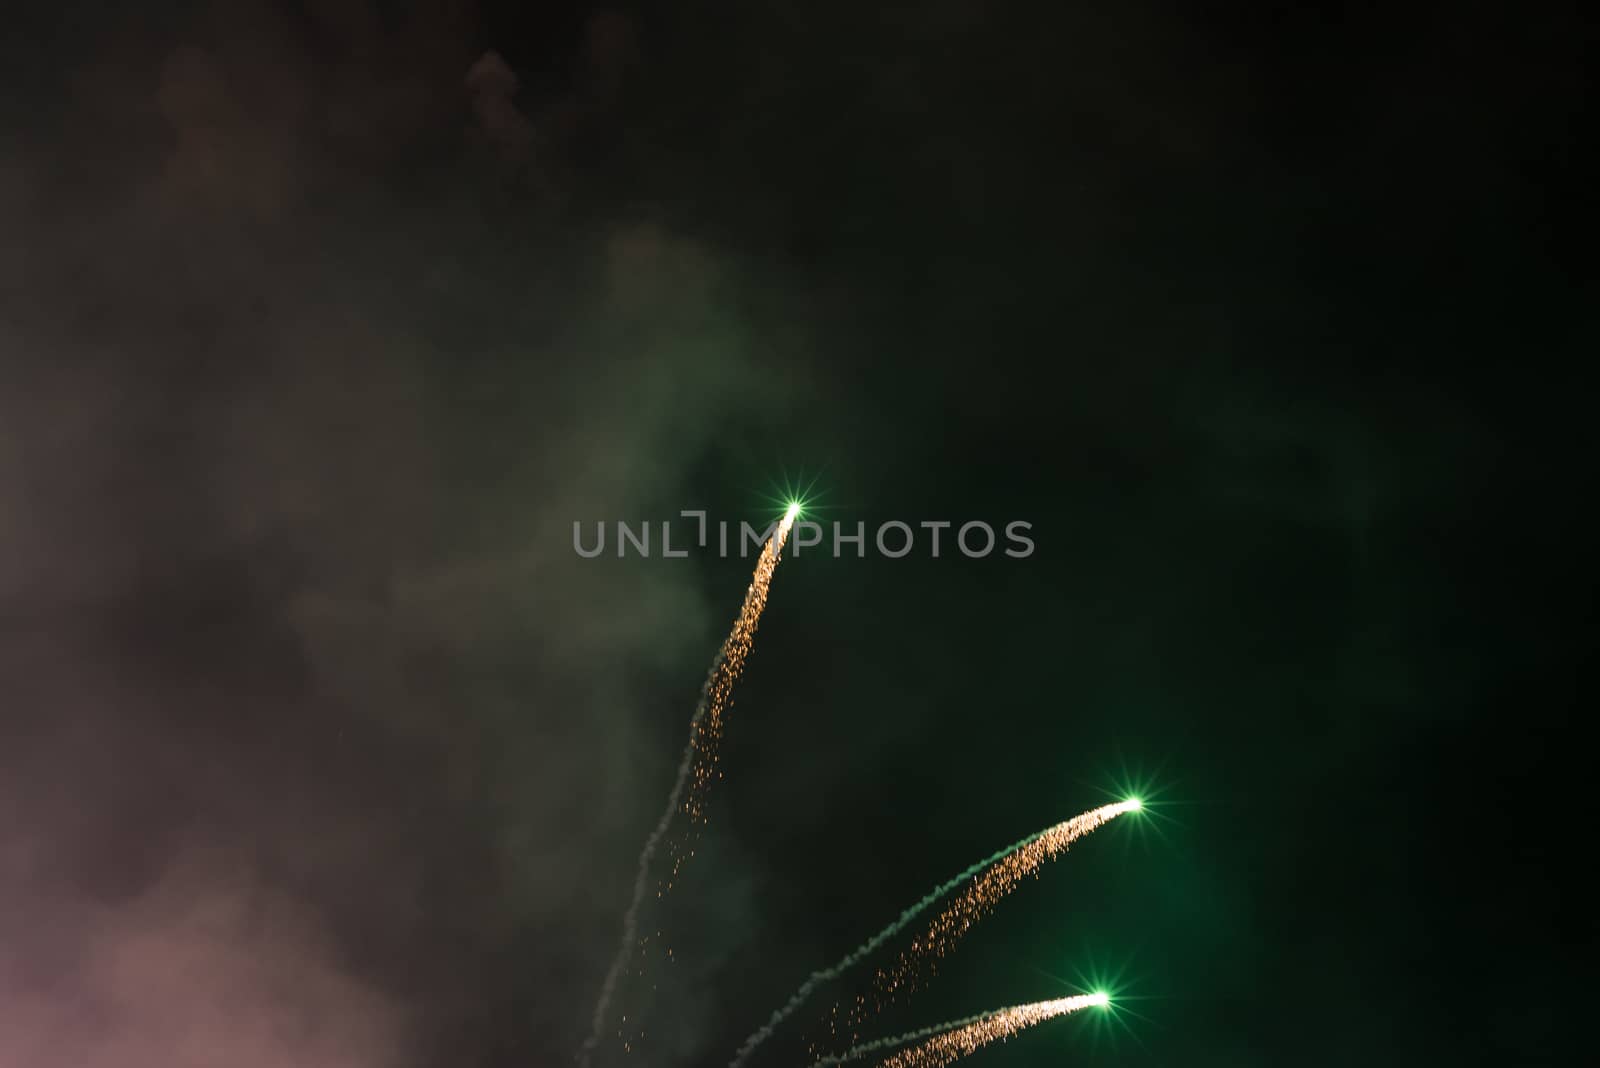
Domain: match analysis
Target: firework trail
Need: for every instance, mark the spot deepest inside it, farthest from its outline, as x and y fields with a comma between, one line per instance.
x=992, y=879
x=957, y=1038
x=697, y=769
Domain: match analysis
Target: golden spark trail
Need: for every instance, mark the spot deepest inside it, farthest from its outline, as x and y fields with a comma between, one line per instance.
x=991, y=879
x=698, y=768
x=979, y=899
x=957, y=1038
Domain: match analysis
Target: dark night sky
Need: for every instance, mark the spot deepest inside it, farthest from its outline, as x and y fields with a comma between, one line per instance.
x=320, y=747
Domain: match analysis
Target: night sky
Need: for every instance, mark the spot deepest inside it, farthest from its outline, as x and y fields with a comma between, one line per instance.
x=322, y=323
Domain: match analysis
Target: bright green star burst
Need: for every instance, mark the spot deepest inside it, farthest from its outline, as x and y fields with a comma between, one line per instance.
x=794, y=497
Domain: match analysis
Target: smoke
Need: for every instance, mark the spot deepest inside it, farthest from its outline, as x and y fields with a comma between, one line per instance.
x=314, y=734
x=205, y=966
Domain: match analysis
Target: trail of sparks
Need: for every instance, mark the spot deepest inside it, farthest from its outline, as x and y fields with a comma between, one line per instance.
x=991, y=879
x=698, y=768
x=957, y=1038
x=978, y=900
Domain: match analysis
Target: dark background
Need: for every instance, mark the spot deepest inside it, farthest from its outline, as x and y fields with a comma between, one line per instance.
x=319, y=327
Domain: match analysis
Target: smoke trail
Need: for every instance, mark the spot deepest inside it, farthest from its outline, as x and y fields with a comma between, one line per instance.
x=957, y=1038
x=698, y=767
x=985, y=892
x=992, y=878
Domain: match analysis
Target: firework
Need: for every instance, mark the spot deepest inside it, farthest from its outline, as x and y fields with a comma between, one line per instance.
x=990, y=880
x=979, y=899
x=955, y=1039
x=698, y=768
